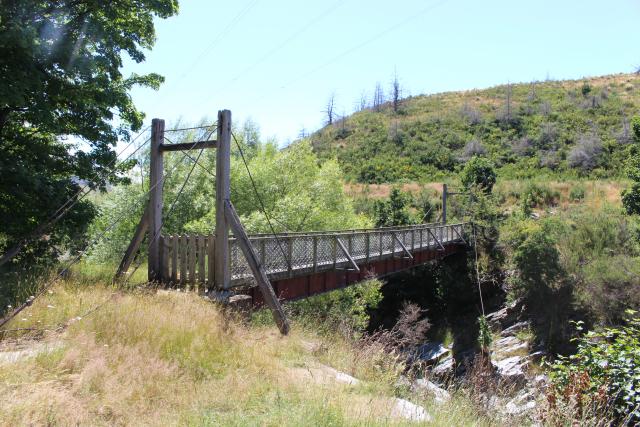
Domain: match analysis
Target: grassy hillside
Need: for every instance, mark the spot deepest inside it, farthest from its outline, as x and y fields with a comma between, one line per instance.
x=171, y=358
x=561, y=128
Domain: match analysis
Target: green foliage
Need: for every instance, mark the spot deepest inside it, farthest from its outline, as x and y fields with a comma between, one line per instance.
x=61, y=63
x=538, y=196
x=393, y=211
x=544, y=134
x=606, y=361
x=479, y=172
x=298, y=194
x=345, y=309
x=485, y=336
x=631, y=199
x=577, y=193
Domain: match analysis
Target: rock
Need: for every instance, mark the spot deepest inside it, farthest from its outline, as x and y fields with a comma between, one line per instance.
x=512, y=369
x=431, y=352
x=507, y=345
x=343, y=378
x=440, y=395
x=444, y=367
x=506, y=316
x=511, y=330
x=523, y=403
x=409, y=411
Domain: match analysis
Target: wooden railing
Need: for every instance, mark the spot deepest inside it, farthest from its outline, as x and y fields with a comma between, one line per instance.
x=187, y=260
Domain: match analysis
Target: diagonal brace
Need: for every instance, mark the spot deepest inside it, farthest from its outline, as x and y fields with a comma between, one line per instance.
x=404, y=248
x=455, y=230
x=436, y=239
x=347, y=254
x=257, y=269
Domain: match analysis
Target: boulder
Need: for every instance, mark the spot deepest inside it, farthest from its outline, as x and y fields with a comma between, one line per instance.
x=512, y=369
x=513, y=329
x=409, y=411
x=431, y=352
x=440, y=395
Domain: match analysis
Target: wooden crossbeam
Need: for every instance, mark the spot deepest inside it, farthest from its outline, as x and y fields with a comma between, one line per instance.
x=183, y=146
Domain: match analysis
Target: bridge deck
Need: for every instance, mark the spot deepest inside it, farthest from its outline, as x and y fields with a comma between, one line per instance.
x=187, y=260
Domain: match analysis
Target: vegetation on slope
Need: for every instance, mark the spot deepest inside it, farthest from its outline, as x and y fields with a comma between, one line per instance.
x=559, y=128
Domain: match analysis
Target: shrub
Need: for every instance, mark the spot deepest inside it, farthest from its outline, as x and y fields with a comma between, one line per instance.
x=479, y=172
x=345, y=310
x=577, y=193
x=608, y=364
x=393, y=211
x=472, y=149
x=586, y=155
x=631, y=199
x=538, y=196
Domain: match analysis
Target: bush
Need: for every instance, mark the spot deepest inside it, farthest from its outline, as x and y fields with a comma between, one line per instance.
x=345, y=310
x=577, y=193
x=586, y=155
x=608, y=365
x=393, y=211
x=479, y=172
x=538, y=196
x=631, y=199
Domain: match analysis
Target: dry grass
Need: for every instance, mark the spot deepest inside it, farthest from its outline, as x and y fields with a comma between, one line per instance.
x=172, y=358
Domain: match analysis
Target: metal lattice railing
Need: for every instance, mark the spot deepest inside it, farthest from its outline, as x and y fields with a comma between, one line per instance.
x=187, y=260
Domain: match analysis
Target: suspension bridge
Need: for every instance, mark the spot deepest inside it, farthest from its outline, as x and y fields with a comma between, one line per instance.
x=265, y=268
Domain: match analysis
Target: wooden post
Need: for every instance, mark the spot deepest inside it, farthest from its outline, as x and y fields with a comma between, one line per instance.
x=259, y=273
x=444, y=203
x=223, y=192
x=155, y=202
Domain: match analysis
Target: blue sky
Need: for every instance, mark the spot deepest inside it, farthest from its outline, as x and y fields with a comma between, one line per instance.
x=278, y=61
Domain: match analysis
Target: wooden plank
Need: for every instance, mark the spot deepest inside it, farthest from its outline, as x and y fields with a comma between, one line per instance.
x=184, y=146
x=183, y=259
x=174, y=259
x=258, y=272
x=155, y=204
x=223, y=170
x=192, y=257
x=381, y=241
x=134, y=245
x=202, y=274
x=368, y=246
x=165, y=249
x=211, y=250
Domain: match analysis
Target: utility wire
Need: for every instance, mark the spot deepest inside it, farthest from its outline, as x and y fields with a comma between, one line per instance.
x=475, y=249
x=362, y=44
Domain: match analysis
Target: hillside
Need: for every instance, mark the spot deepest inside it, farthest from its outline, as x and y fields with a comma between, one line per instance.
x=561, y=128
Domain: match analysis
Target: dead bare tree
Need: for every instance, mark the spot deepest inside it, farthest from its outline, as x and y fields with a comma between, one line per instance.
x=378, y=97
x=362, y=102
x=330, y=111
x=395, y=92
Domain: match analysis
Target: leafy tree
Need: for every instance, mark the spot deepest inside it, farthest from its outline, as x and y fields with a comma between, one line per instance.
x=65, y=104
x=393, y=211
x=479, y=171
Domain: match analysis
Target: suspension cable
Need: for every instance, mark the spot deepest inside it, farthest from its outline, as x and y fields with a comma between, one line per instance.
x=264, y=211
x=475, y=249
